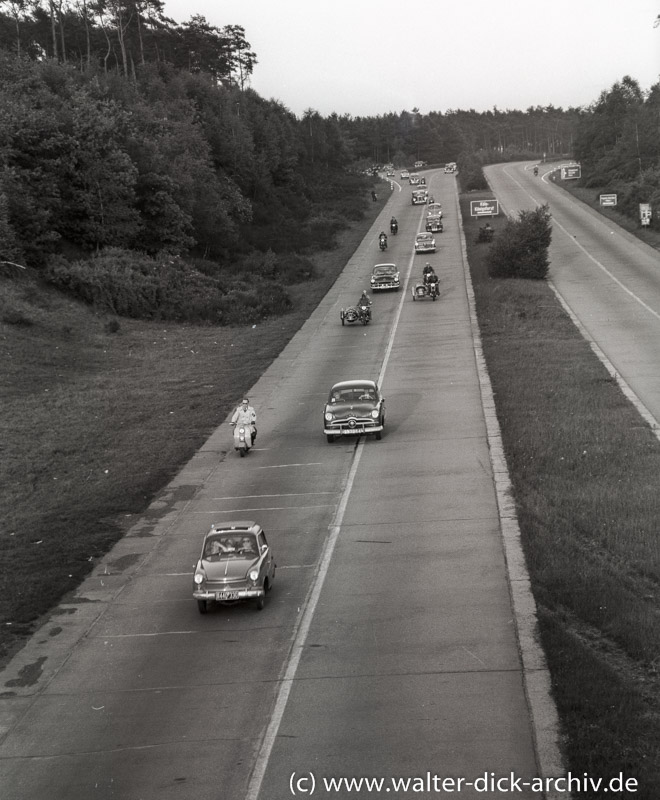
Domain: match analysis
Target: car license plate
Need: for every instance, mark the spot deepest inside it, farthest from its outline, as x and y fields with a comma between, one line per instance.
x=227, y=595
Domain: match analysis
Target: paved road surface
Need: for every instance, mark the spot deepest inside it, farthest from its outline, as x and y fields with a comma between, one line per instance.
x=409, y=663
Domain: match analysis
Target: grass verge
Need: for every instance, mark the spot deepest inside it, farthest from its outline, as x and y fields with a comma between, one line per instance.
x=99, y=413
x=585, y=472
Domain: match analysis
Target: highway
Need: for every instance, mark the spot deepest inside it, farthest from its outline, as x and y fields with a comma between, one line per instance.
x=608, y=278
x=388, y=645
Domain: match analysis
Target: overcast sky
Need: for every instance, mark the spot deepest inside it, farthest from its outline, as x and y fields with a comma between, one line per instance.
x=369, y=57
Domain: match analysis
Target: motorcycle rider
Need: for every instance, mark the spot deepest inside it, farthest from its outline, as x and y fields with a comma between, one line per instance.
x=428, y=271
x=382, y=240
x=246, y=415
x=394, y=226
x=365, y=302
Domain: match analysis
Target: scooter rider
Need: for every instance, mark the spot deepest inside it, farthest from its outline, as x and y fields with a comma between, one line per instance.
x=246, y=415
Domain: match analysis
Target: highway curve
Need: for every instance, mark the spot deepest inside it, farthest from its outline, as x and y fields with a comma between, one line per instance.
x=608, y=278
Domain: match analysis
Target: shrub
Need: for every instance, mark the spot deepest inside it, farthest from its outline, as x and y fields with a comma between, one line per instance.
x=168, y=288
x=521, y=247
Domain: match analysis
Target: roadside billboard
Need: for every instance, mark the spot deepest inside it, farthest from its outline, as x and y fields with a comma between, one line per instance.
x=571, y=171
x=484, y=208
x=608, y=199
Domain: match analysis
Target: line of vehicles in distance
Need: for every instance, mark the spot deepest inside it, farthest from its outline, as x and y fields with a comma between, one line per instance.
x=405, y=173
x=236, y=564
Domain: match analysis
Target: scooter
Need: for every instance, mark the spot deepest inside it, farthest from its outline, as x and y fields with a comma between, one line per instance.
x=242, y=437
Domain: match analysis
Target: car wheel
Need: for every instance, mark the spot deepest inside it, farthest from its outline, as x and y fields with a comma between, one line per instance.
x=330, y=438
x=202, y=607
x=261, y=602
x=379, y=435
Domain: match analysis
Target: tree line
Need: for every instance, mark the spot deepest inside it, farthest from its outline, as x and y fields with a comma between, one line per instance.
x=122, y=34
x=618, y=145
x=125, y=131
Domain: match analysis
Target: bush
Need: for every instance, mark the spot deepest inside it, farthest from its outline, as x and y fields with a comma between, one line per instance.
x=471, y=173
x=521, y=248
x=135, y=285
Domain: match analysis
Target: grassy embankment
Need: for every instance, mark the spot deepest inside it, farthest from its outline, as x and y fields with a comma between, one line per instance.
x=585, y=471
x=98, y=416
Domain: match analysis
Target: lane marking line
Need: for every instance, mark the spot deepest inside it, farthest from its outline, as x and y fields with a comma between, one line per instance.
x=303, y=625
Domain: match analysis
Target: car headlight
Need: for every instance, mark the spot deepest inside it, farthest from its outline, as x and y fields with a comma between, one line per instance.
x=374, y=413
x=328, y=416
x=373, y=280
x=253, y=575
x=199, y=578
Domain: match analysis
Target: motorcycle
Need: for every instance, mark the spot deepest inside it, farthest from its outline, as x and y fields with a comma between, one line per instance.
x=430, y=288
x=394, y=228
x=536, y=170
x=242, y=437
x=382, y=243
x=361, y=313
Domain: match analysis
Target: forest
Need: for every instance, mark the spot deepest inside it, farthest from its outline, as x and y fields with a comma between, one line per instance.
x=140, y=172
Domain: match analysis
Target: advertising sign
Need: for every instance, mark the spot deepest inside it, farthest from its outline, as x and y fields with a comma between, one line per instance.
x=608, y=199
x=571, y=171
x=484, y=208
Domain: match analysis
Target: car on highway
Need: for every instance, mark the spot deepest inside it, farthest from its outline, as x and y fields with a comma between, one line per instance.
x=404, y=174
x=420, y=164
x=434, y=225
x=235, y=564
x=354, y=408
x=414, y=179
x=389, y=173
x=385, y=276
x=425, y=243
x=434, y=210
x=419, y=196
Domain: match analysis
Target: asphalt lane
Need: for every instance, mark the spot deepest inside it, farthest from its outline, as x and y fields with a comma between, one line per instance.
x=609, y=279
x=409, y=664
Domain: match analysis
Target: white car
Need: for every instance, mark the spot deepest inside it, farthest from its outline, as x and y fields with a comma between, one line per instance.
x=414, y=178
x=404, y=174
